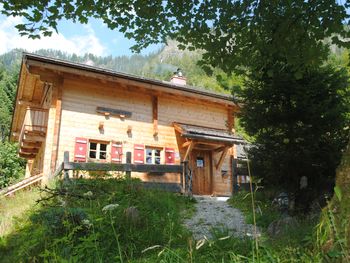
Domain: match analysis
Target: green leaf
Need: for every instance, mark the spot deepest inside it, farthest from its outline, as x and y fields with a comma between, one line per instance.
x=338, y=193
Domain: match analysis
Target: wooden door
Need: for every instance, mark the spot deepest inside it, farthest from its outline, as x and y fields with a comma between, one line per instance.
x=201, y=166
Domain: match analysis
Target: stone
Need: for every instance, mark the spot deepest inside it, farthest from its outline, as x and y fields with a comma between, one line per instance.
x=132, y=214
x=278, y=226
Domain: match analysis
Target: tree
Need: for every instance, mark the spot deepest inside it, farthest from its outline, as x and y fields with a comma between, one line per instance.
x=231, y=33
x=11, y=166
x=300, y=126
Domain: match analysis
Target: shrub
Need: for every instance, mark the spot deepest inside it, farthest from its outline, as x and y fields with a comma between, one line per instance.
x=11, y=166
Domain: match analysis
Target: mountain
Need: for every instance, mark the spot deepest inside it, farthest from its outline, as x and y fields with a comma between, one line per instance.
x=157, y=65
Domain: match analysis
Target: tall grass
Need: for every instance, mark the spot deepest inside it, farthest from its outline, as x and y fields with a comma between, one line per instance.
x=14, y=207
x=86, y=221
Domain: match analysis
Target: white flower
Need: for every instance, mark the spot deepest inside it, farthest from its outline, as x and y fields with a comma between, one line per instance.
x=88, y=194
x=200, y=243
x=86, y=222
x=109, y=207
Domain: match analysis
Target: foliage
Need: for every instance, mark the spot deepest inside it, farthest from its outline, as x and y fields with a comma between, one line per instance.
x=89, y=223
x=232, y=35
x=11, y=166
x=300, y=126
x=86, y=220
x=13, y=209
x=334, y=228
x=266, y=213
x=8, y=78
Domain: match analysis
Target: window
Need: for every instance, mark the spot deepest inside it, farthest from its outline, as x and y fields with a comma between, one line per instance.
x=98, y=151
x=152, y=155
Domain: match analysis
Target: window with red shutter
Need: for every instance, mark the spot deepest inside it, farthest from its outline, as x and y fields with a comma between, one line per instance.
x=80, y=149
x=169, y=156
x=139, y=153
x=116, y=152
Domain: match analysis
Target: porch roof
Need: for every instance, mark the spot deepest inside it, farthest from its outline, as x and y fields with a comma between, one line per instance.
x=196, y=132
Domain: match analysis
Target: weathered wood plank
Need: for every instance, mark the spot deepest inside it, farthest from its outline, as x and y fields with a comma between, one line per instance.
x=58, y=170
x=104, y=110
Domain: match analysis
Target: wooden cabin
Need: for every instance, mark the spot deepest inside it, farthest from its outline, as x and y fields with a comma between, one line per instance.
x=98, y=115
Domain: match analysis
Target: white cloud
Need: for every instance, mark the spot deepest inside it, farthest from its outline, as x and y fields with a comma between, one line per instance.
x=85, y=42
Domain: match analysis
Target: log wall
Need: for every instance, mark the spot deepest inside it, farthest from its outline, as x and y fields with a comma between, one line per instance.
x=80, y=119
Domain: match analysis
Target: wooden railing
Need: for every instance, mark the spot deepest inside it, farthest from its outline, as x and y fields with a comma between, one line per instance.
x=35, y=121
x=183, y=169
x=20, y=185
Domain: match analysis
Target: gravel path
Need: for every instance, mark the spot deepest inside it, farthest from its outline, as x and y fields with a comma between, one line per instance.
x=215, y=213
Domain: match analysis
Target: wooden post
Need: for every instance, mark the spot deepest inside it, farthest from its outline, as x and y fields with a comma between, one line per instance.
x=183, y=177
x=155, y=115
x=234, y=175
x=128, y=161
x=65, y=165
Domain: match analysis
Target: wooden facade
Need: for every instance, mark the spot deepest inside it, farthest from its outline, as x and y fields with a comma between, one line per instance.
x=99, y=115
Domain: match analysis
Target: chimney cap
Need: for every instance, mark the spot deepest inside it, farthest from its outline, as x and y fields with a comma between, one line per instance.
x=178, y=72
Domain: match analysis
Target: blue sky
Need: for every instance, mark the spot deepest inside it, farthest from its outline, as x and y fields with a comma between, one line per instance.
x=93, y=37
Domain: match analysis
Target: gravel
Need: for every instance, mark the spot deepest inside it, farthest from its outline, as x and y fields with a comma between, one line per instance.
x=214, y=213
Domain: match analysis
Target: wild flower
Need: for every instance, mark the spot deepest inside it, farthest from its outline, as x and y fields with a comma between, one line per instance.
x=62, y=202
x=109, y=207
x=86, y=222
x=200, y=243
x=88, y=194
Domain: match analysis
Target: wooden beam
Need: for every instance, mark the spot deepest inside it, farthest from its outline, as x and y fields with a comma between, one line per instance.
x=230, y=120
x=185, y=144
x=222, y=158
x=26, y=103
x=30, y=145
x=33, y=138
x=115, y=112
x=29, y=150
x=155, y=114
x=56, y=103
x=189, y=149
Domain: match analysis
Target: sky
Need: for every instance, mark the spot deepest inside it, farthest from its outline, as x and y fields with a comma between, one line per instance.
x=93, y=37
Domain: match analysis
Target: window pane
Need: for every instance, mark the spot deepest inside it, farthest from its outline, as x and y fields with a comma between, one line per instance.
x=92, y=154
x=149, y=160
x=148, y=152
x=103, y=147
x=93, y=145
x=157, y=153
x=157, y=160
x=102, y=155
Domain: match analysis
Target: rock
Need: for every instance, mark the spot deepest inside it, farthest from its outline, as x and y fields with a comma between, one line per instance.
x=278, y=226
x=132, y=214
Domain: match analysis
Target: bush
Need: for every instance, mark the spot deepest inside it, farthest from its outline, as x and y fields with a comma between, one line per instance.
x=11, y=166
x=86, y=221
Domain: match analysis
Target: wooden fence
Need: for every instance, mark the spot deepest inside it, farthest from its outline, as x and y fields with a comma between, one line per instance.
x=240, y=174
x=185, y=184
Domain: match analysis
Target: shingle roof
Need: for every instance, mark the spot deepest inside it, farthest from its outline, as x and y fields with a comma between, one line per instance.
x=206, y=133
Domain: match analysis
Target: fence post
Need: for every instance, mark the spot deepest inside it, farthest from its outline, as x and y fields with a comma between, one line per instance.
x=234, y=175
x=183, y=176
x=128, y=161
x=65, y=165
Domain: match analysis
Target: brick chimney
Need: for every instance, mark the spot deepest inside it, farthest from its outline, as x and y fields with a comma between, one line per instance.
x=178, y=78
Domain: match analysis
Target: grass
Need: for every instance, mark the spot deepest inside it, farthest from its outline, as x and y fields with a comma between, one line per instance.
x=265, y=212
x=87, y=221
x=109, y=220
x=14, y=207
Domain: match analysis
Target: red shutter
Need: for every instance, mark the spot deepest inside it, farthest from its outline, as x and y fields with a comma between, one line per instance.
x=139, y=153
x=169, y=156
x=116, y=152
x=80, y=149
